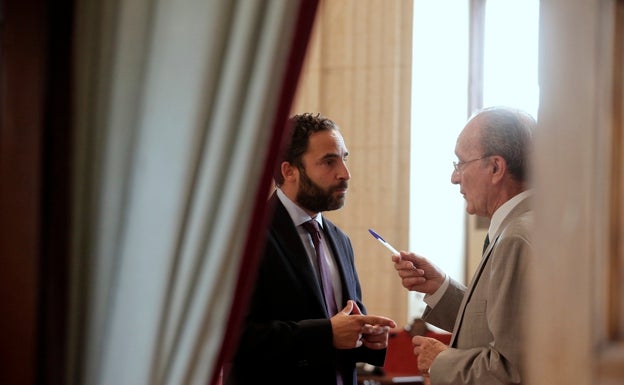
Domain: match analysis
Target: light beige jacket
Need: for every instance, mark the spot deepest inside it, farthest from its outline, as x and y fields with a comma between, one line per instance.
x=486, y=317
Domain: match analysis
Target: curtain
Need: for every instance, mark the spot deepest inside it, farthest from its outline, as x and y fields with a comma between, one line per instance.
x=180, y=104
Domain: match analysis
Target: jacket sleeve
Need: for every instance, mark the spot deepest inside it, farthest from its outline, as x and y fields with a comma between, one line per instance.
x=443, y=315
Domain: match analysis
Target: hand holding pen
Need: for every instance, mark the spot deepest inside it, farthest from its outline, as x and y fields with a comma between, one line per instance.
x=415, y=271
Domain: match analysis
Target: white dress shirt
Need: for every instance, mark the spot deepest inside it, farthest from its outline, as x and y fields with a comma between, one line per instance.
x=299, y=217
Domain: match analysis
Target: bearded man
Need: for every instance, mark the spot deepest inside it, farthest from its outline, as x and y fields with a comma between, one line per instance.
x=306, y=323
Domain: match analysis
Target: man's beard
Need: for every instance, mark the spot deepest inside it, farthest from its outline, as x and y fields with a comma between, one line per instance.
x=314, y=198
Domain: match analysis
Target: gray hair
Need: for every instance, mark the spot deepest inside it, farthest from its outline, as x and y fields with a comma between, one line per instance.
x=508, y=132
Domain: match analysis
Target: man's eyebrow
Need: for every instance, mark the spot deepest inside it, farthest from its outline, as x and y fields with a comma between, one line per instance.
x=330, y=156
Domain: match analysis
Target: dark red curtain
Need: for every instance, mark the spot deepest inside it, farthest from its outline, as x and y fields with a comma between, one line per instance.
x=255, y=238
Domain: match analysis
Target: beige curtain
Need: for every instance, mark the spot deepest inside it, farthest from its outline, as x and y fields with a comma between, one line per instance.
x=177, y=102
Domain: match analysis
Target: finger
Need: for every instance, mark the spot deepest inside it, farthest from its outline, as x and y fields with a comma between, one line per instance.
x=423, y=364
x=418, y=340
x=368, y=329
x=359, y=342
x=405, y=256
x=378, y=320
x=382, y=330
x=356, y=308
x=374, y=338
x=348, y=307
x=404, y=265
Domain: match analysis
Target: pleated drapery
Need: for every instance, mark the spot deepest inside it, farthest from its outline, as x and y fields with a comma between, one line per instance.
x=178, y=103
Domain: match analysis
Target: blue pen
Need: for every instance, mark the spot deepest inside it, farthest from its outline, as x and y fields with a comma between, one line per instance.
x=383, y=242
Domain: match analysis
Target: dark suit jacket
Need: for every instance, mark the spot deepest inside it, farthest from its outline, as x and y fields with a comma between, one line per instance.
x=486, y=317
x=287, y=336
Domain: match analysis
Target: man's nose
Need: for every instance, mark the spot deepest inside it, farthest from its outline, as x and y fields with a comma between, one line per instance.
x=344, y=173
x=455, y=177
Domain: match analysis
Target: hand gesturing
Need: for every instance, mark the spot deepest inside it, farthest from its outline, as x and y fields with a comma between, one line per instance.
x=353, y=329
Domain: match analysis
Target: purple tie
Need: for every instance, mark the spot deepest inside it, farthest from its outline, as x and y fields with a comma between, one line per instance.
x=326, y=281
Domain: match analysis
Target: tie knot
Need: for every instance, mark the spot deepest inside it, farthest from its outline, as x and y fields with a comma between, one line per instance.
x=313, y=228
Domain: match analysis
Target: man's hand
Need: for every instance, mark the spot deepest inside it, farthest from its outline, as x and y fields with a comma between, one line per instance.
x=427, y=350
x=352, y=329
x=375, y=336
x=417, y=273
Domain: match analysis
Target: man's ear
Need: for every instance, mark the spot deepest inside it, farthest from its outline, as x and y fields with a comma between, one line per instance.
x=288, y=171
x=499, y=166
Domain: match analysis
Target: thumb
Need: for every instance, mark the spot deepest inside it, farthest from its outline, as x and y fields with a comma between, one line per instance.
x=348, y=307
x=356, y=308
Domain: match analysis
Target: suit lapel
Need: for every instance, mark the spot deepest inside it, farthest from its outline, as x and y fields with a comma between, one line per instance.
x=285, y=233
x=522, y=207
x=470, y=290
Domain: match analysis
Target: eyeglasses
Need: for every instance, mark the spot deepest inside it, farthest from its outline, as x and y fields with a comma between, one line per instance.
x=458, y=166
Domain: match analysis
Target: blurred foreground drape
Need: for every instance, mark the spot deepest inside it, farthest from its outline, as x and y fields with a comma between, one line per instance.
x=180, y=104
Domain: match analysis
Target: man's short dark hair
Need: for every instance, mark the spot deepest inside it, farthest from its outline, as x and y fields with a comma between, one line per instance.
x=299, y=129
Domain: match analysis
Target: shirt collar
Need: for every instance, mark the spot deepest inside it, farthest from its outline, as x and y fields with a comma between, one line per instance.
x=501, y=213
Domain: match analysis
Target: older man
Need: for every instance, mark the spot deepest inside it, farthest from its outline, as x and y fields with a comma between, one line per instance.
x=486, y=345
